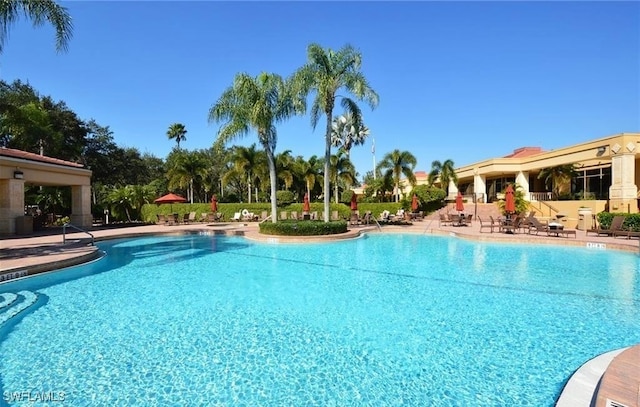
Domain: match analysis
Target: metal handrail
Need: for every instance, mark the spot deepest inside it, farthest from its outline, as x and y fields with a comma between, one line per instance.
x=64, y=232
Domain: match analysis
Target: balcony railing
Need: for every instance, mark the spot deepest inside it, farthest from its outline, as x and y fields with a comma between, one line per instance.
x=542, y=196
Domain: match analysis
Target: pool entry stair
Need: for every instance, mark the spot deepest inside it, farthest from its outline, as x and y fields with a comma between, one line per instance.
x=12, y=304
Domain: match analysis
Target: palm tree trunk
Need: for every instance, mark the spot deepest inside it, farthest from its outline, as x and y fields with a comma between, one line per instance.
x=327, y=162
x=249, y=191
x=273, y=181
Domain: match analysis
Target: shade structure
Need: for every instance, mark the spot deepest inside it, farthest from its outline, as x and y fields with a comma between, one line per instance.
x=459, y=204
x=305, y=205
x=214, y=204
x=354, y=202
x=414, y=203
x=510, y=200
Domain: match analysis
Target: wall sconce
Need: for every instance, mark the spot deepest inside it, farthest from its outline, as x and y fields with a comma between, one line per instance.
x=17, y=174
x=601, y=150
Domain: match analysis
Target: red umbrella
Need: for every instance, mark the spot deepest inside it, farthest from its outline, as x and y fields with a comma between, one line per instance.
x=214, y=204
x=305, y=205
x=510, y=200
x=459, y=204
x=354, y=202
x=414, y=203
x=170, y=199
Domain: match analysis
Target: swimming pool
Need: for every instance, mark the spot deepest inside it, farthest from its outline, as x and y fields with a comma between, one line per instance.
x=380, y=320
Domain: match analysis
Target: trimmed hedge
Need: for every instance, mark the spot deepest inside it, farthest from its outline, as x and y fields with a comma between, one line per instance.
x=303, y=228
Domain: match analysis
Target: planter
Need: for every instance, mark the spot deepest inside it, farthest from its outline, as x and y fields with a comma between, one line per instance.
x=584, y=218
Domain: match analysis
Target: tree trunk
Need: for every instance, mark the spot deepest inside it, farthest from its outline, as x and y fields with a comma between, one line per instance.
x=327, y=163
x=273, y=181
x=249, y=191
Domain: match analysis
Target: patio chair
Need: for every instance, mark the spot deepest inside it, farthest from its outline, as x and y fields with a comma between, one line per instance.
x=445, y=220
x=203, y=217
x=355, y=218
x=215, y=217
x=189, y=218
x=486, y=225
x=283, y=215
x=616, y=225
x=625, y=231
x=264, y=215
x=335, y=215
x=294, y=215
x=162, y=219
x=237, y=217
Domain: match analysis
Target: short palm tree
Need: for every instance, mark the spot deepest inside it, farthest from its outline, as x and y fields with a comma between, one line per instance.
x=342, y=170
x=178, y=132
x=185, y=169
x=398, y=163
x=246, y=164
x=446, y=170
x=256, y=103
x=325, y=73
x=38, y=11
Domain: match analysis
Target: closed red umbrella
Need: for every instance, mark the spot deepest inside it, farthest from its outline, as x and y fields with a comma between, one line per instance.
x=414, y=203
x=305, y=205
x=354, y=202
x=214, y=204
x=510, y=200
x=459, y=204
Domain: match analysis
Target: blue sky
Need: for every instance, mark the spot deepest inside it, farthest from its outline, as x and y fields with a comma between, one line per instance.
x=465, y=81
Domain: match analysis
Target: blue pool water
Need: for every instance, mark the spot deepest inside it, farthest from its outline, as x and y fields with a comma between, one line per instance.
x=382, y=320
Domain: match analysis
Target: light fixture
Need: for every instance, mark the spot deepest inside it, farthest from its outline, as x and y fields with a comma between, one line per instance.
x=601, y=150
x=17, y=174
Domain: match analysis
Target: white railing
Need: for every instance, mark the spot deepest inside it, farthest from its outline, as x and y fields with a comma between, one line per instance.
x=541, y=196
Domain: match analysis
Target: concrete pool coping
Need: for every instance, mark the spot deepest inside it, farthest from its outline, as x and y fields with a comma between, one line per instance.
x=28, y=255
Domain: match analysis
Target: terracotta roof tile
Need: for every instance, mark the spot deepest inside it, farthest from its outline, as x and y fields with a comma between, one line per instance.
x=10, y=152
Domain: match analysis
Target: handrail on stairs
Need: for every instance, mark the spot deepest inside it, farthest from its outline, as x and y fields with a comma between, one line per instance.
x=64, y=232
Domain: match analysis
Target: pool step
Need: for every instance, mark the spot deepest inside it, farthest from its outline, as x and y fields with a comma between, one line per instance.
x=12, y=304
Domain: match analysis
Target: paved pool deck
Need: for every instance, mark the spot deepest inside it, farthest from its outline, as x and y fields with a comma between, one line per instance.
x=612, y=376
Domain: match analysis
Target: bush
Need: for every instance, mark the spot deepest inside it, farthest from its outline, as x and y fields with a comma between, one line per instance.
x=284, y=198
x=631, y=220
x=303, y=228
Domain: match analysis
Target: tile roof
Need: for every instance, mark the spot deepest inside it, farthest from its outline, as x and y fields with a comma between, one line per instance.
x=10, y=152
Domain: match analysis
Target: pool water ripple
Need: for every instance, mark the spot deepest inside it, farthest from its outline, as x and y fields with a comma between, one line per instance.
x=386, y=320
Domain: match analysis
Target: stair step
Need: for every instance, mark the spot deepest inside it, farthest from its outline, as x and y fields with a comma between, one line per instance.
x=27, y=299
x=6, y=299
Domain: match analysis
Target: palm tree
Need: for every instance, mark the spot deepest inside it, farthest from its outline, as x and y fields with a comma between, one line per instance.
x=326, y=72
x=342, y=170
x=344, y=133
x=309, y=171
x=178, y=132
x=246, y=162
x=256, y=103
x=446, y=171
x=557, y=178
x=186, y=169
x=396, y=164
x=38, y=11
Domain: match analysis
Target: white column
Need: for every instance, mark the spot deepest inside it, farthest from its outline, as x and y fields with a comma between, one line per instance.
x=623, y=191
x=522, y=179
x=480, y=186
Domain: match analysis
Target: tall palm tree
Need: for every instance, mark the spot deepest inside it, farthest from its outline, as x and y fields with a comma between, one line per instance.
x=178, y=132
x=325, y=73
x=345, y=134
x=558, y=178
x=257, y=103
x=398, y=163
x=38, y=11
x=446, y=170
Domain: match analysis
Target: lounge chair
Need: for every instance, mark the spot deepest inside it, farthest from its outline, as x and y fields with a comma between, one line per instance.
x=486, y=225
x=203, y=217
x=616, y=225
x=294, y=215
x=264, y=215
x=314, y=215
x=283, y=215
x=189, y=218
x=626, y=232
x=355, y=218
x=536, y=226
x=511, y=226
x=162, y=219
x=335, y=216
x=384, y=216
x=215, y=217
x=237, y=217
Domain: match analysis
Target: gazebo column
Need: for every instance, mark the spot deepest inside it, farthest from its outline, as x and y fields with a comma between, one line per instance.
x=522, y=179
x=11, y=204
x=81, y=206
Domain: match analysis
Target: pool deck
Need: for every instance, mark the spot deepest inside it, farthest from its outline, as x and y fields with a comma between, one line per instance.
x=613, y=376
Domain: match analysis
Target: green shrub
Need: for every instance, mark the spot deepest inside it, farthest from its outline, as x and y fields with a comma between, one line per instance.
x=284, y=198
x=303, y=228
x=631, y=220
